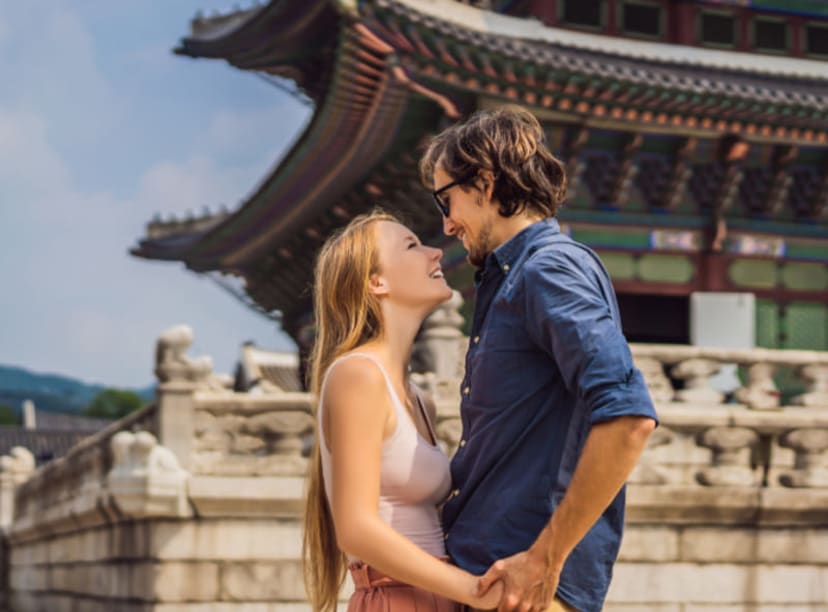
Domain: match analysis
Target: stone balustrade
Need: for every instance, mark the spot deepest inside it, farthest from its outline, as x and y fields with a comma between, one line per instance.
x=195, y=503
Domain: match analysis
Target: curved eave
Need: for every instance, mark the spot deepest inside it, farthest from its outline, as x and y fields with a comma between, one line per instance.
x=349, y=134
x=169, y=248
x=470, y=49
x=286, y=38
x=282, y=21
x=480, y=21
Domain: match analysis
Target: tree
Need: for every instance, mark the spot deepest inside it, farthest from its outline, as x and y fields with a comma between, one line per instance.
x=8, y=415
x=113, y=404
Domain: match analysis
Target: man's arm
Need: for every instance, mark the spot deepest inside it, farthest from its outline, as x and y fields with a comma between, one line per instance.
x=611, y=450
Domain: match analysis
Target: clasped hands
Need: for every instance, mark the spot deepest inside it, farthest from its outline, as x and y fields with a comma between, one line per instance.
x=529, y=583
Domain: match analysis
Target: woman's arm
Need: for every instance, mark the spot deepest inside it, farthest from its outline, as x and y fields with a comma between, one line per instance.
x=358, y=416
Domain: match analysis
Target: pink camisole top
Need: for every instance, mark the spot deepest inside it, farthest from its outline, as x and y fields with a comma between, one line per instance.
x=414, y=474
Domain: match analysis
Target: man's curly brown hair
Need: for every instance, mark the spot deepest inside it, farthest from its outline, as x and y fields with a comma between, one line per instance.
x=510, y=143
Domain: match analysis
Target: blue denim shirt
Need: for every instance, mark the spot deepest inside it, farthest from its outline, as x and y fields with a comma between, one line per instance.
x=546, y=360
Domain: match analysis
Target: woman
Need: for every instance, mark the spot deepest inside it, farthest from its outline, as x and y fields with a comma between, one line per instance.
x=377, y=474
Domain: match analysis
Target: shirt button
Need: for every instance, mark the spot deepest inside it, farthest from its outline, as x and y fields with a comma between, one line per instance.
x=506, y=267
x=476, y=339
x=455, y=493
x=462, y=443
x=466, y=390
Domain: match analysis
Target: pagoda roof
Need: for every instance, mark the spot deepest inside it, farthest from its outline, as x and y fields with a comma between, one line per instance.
x=384, y=73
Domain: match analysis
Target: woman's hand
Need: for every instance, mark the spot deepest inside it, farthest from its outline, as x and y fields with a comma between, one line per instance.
x=490, y=599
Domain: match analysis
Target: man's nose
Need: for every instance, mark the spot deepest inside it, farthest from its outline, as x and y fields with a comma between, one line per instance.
x=448, y=226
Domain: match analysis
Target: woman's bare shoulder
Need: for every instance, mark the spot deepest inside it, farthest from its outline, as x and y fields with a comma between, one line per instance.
x=355, y=374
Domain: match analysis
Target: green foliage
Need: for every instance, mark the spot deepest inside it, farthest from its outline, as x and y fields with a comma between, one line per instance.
x=113, y=404
x=8, y=415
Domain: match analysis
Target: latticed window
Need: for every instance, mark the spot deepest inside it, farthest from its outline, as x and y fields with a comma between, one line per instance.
x=589, y=13
x=816, y=39
x=641, y=19
x=718, y=29
x=770, y=34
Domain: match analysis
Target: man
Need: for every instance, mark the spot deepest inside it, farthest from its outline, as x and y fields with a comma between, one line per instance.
x=555, y=414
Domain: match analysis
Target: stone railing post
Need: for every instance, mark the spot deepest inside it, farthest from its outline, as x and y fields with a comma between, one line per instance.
x=146, y=478
x=811, y=459
x=179, y=376
x=816, y=379
x=696, y=375
x=731, y=448
x=15, y=468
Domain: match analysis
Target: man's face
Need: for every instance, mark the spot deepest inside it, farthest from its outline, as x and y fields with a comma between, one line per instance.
x=470, y=218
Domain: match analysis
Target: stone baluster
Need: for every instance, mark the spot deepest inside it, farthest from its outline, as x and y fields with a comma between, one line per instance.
x=661, y=390
x=15, y=468
x=811, y=459
x=696, y=375
x=816, y=379
x=731, y=448
x=285, y=431
x=440, y=346
x=647, y=471
x=761, y=392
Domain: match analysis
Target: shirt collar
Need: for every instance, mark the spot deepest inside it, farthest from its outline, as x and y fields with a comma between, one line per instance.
x=509, y=252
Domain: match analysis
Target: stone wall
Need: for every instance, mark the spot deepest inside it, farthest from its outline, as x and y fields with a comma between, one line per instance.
x=194, y=504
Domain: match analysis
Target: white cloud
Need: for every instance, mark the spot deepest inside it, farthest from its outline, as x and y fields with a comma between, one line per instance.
x=52, y=70
x=26, y=156
x=83, y=306
x=80, y=304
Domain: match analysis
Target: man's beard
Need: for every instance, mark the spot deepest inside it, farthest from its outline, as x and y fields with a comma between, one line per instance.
x=479, y=250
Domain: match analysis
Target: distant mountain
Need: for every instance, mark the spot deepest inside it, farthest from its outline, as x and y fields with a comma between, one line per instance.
x=51, y=392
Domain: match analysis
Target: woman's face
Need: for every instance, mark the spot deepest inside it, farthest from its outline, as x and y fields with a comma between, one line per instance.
x=410, y=272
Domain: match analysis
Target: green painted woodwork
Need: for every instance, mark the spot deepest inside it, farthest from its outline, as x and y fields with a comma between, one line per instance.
x=622, y=238
x=811, y=276
x=767, y=324
x=807, y=251
x=753, y=273
x=805, y=326
x=811, y=7
x=621, y=266
x=665, y=268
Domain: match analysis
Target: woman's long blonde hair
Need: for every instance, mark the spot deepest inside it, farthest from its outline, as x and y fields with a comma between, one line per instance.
x=346, y=315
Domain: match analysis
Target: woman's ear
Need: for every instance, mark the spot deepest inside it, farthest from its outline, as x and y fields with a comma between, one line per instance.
x=377, y=285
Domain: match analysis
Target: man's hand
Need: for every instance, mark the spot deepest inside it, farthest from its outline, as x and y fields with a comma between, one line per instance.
x=529, y=584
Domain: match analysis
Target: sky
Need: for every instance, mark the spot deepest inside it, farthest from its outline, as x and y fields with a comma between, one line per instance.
x=101, y=128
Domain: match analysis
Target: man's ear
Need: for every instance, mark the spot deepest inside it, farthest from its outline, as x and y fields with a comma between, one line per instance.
x=486, y=182
x=377, y=285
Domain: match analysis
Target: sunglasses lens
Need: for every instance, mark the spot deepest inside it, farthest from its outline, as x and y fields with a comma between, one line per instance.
x=441, y=207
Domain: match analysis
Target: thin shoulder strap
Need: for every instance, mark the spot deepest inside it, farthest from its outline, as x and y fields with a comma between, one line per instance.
x=394, y=398
x=424, y=412
x=320, y=405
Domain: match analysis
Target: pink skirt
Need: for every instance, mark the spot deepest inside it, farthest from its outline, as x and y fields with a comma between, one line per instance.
x=376, y=592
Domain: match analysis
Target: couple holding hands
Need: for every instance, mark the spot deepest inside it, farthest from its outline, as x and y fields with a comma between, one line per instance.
x=529, y=513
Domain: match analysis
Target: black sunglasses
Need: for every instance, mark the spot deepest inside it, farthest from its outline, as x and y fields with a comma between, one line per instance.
x=442, y=206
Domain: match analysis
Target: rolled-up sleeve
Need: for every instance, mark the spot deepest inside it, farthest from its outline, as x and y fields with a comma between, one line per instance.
x=569, y=316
